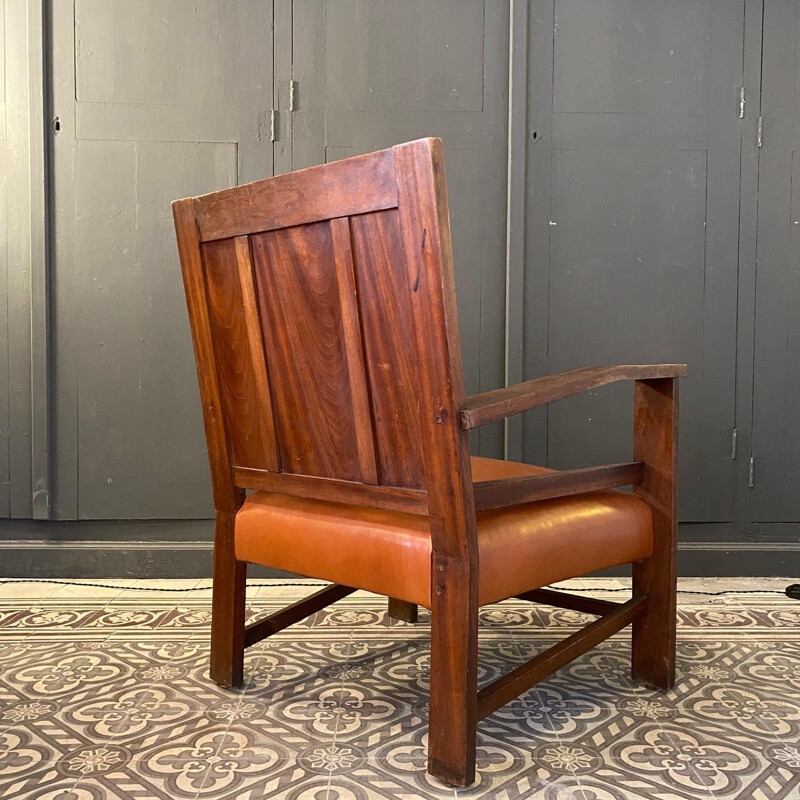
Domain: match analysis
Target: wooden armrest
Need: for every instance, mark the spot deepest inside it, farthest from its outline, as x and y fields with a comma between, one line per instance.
x=530, y=488
x=481, y=409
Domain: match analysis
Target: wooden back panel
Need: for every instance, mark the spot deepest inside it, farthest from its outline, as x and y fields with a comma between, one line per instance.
x=313, y=298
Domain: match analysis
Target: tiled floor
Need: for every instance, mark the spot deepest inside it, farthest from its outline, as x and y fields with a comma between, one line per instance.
x=104, y=695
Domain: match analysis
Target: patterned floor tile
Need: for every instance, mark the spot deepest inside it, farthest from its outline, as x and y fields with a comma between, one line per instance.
x=107, y=697
x=48, y=785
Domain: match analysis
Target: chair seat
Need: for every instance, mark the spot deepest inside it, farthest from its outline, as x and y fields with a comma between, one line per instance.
x=520, y=548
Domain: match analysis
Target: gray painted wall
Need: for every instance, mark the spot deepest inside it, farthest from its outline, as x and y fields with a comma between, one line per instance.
x=634, y=216
x=608, y=215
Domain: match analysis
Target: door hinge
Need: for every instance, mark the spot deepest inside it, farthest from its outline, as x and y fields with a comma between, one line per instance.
x=742, y=101
x=734, y=435
x=760, y=132
x=752, y=479
x=273, y=125
x=292, y=95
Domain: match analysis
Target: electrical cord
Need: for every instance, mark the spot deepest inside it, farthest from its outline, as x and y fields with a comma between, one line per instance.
x=790, y=590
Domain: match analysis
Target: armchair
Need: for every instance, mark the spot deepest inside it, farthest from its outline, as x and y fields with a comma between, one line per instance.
x=322, y=308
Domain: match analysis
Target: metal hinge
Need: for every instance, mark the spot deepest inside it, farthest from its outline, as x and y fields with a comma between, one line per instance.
x=742, y=101
x=734, y=435
x=292, y=95
x=752, y=479
x=760, y=132
x=273, y=125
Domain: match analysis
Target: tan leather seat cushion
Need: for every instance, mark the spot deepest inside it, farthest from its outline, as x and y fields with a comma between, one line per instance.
x=389, y=552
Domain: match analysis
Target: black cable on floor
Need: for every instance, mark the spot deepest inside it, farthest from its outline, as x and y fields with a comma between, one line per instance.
x=314, y=585
x=146, y=588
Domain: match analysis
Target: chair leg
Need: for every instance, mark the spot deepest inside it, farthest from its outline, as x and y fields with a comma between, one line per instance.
x=655, y=443
x=400, y=609
x=653, y=637
x=454, y=686
x=227, y=607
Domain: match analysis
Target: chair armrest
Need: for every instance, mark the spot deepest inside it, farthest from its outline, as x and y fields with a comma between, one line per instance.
x=481, y=409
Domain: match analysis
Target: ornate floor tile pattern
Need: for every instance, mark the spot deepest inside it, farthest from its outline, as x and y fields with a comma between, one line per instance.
x=104, y=695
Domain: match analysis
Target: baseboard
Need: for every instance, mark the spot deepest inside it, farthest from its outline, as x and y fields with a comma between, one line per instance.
x=148, y=556
x=110, y=549
x=732, y=560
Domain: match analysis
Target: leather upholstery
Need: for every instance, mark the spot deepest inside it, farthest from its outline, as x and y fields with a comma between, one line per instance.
x=520, y=548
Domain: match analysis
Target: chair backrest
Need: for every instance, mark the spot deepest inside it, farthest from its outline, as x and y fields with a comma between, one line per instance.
x=322, y=307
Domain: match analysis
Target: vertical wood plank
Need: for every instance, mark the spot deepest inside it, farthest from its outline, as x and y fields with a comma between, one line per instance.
x=226, y=497
x=238, y=355
x=425, y=234
x=655, y=442
x=255, y=343
x=425, y=226
x=354, y=351
x=310, y=382
x=384, y=294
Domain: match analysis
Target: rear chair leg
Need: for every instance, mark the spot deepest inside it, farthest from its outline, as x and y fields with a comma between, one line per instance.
x=227, y=607
x=400, y=609
x=454, y=686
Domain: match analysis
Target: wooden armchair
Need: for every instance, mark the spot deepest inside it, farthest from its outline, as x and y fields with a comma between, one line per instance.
x=323, y=315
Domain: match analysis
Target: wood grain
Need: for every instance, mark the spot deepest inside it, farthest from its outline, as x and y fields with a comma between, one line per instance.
x=425, y=234
x=392, y=498
x=386, y=316
x=655, y=441
x=354, y=186
x=354, y=350
x=481, y=409
x=573, y=602
x=403, y=610
x=255, y=342
x=226, y=496
x=304, y=329
x=530, y=488
x=239, y=354
x=227, y=606
x=347, y=282
x=519, y=680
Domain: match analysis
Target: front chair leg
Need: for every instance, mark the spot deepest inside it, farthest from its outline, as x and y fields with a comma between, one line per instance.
x=227, y=607
x=400, y=609
x=454, y=685
x=655, y=443
x=653, y=636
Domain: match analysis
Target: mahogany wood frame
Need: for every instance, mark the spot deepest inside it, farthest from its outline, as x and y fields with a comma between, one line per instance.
x=432, y=473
